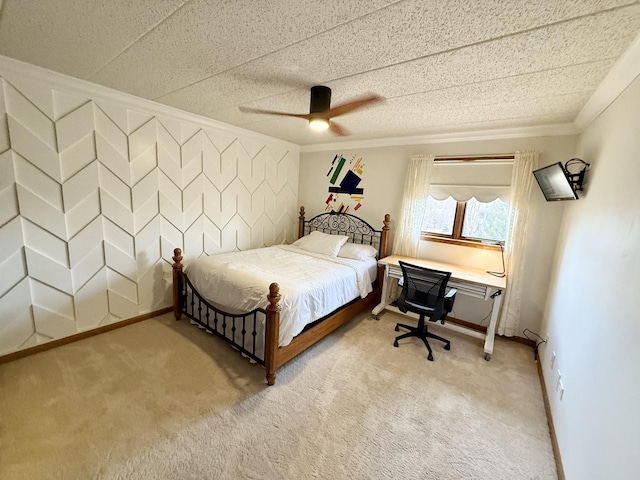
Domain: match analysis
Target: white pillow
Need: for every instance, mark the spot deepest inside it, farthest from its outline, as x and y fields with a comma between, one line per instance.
x=300, y=241
x=357, y=252
x=319, y=242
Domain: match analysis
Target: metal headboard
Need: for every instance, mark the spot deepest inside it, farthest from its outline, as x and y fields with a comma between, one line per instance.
x=358, y=230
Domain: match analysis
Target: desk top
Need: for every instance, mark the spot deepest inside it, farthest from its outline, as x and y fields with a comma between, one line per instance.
x=458, y=272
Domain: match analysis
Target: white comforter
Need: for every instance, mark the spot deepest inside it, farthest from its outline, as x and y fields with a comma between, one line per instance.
x=311, y=285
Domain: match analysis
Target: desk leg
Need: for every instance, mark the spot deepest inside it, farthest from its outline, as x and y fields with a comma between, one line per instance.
x=385, y=294
x=491, y=329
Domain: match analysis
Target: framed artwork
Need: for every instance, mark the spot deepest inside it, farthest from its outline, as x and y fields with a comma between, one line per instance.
x=344, y=178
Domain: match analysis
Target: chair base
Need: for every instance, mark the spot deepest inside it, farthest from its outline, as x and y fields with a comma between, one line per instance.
x=422, y=333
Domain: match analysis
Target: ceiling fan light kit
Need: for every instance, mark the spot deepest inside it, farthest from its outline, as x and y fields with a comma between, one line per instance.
x=318, y=124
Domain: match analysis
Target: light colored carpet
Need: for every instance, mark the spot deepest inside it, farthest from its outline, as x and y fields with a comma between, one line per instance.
x=164, y=400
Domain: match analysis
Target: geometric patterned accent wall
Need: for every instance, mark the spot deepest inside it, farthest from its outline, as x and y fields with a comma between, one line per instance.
x=94, y=197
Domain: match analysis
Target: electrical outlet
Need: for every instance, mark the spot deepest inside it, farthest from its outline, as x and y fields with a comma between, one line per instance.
x=559, y=382
x=553, y=360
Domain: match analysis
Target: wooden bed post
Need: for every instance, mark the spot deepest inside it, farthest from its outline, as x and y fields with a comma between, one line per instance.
x=384, y=238
x=384, y=249
x=301, y=223
x=273, y=333
x=177, y=282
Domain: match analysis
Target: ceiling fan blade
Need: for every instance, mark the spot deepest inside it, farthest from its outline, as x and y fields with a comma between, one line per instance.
x=350, y=106
x=320, y=113
x=306, y=116
x=337, y=129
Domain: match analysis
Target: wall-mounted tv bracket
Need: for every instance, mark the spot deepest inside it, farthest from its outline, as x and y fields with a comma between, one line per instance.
x=576, y=179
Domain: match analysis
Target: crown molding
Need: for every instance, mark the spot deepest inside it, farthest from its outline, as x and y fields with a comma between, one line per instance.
x=75, y=86
x=494, y=134
x=621, y=75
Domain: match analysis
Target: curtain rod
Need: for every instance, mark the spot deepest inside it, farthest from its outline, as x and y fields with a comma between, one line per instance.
x=474, y=158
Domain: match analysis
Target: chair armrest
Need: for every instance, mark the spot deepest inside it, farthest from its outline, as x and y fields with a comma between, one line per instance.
x=449, y=299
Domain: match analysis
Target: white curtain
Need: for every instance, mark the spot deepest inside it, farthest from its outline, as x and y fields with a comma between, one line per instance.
x=521, y=185
x=414, y=204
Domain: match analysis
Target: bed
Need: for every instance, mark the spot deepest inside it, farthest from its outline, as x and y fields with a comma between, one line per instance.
x=272, y=303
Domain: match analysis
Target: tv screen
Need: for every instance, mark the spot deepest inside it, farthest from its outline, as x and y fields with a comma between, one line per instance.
x=554, y=183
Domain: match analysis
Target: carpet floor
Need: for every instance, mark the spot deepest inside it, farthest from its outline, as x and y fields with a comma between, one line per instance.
x=162, y=399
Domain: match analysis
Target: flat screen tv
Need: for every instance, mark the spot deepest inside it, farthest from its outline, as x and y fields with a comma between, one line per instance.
x=555, y=183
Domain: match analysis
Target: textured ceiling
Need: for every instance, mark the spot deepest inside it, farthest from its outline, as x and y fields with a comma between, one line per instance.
x=442, y=66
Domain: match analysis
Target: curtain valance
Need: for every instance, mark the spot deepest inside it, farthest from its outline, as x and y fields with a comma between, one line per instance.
x=463, y=193
x=484, y=181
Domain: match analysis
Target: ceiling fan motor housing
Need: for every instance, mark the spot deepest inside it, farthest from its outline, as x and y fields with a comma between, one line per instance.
x=320, y=99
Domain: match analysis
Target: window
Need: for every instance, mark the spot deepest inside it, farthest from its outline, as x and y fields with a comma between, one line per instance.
x=468, y=200
x=440, y=216
x=471, y=221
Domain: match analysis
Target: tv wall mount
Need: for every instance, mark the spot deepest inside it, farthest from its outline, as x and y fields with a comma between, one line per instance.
x=576, y=179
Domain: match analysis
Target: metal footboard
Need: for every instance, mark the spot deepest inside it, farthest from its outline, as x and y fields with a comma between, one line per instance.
x=245, y=332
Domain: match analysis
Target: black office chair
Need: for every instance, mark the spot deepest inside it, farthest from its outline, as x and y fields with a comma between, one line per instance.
x=424, y=291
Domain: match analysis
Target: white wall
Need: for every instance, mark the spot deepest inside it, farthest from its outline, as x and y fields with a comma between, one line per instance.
x=592, y=313
x=383, y=182
x=98, y=187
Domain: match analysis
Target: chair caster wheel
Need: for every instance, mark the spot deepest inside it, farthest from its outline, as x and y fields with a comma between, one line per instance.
x=397, y=329
x=375, y=317
x=395, y=344
x=487, y=356
x=430, y=358
x=447, y=346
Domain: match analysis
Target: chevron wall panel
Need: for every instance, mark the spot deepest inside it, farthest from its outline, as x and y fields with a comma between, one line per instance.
x=4, y=129
x=96, y=194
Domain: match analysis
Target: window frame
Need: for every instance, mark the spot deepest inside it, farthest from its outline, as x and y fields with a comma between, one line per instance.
x=456, y=237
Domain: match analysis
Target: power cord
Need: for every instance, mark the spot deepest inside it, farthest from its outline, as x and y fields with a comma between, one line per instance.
x=538, y=343
x=485, y=318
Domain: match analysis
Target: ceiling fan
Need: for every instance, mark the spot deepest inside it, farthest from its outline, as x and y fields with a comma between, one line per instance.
x=320, y=112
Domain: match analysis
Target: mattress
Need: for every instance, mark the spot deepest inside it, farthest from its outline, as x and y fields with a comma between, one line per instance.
x=312, y=285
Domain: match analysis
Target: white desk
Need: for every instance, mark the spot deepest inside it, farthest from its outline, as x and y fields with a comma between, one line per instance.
x=468, y=281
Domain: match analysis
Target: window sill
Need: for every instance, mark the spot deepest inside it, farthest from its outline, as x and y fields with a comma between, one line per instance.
x=460, y=242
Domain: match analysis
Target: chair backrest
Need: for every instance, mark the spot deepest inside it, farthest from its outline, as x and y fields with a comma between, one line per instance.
x=423, y=290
